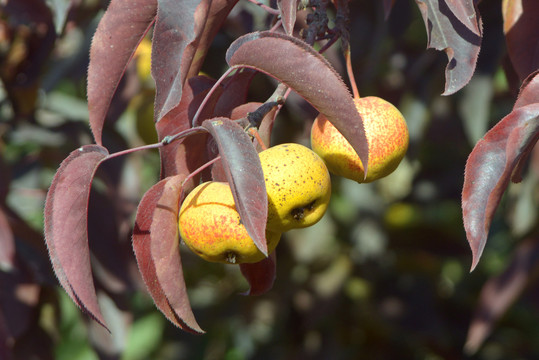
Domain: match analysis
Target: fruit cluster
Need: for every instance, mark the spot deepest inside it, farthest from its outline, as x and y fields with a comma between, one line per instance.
x=297, y=182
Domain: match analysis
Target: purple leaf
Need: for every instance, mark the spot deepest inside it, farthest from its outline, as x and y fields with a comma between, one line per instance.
x=260, y=275
x=122, y=27
x=489, y=169
x=178, y=28
x=7, y=243
x=243, y=170
x=300, y=67
x=501, y=291
x=156, y=246
x=288, y=10
x=447, y=32
x=521, y=28
x=66, y=226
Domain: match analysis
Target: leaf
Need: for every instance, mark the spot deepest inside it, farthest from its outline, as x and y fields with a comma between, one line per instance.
x=500, y=292
x=156, y=246
x=230, y=93
x=234, y=92
x=174, y=159
x=244, y=174
x=66, y=226
x=446, y=31
x=217, y=14
x=464, y=10
x=300, y=67
x=288, y=10
x=118, y=34
x=260, y=275
x=529, y=92
x=7, y=244
x=178, y=28
x=489, y=169
x=521, y=28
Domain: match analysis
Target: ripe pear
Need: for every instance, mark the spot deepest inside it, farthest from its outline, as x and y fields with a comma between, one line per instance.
x=387, y=135
x=211, y=227
x=298, y=186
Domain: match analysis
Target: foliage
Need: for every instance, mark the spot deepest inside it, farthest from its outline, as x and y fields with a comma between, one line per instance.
x=385, y=266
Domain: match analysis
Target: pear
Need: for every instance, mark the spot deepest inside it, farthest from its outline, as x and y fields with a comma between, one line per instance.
x=387, y=135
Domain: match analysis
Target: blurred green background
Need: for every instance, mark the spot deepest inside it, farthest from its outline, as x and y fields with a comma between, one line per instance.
x=384, y=275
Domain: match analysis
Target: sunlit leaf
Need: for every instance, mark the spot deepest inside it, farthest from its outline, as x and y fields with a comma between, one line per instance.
x=521, y=28
x=501, y=291
x=178, y=28
x=260, y=275
x=447, y=32
x=489, y=169
x=243, y=171
x=66, y=222
x=308, y=73
x=156, y=245
x=118, y=34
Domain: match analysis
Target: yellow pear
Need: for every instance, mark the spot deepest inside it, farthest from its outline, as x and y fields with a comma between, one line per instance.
x=298, y=186
x=387, y=135
x=211, y=227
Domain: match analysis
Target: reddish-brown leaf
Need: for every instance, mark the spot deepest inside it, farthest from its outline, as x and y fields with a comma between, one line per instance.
x=450, y=32
x=66, y=222
x=174, y=159
x=230, y=93
x=489, y=169
x=118, y=34
x=521, y=28
x=243, y=171
x=156, y=246
x=234, y=92
x=217, y=14
x=501, y=291
x=178, y=28
x=529, y=92
x=303, y=69
x=465, y=10
x=260, y=275
x=7, y=243
x=288, y=10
